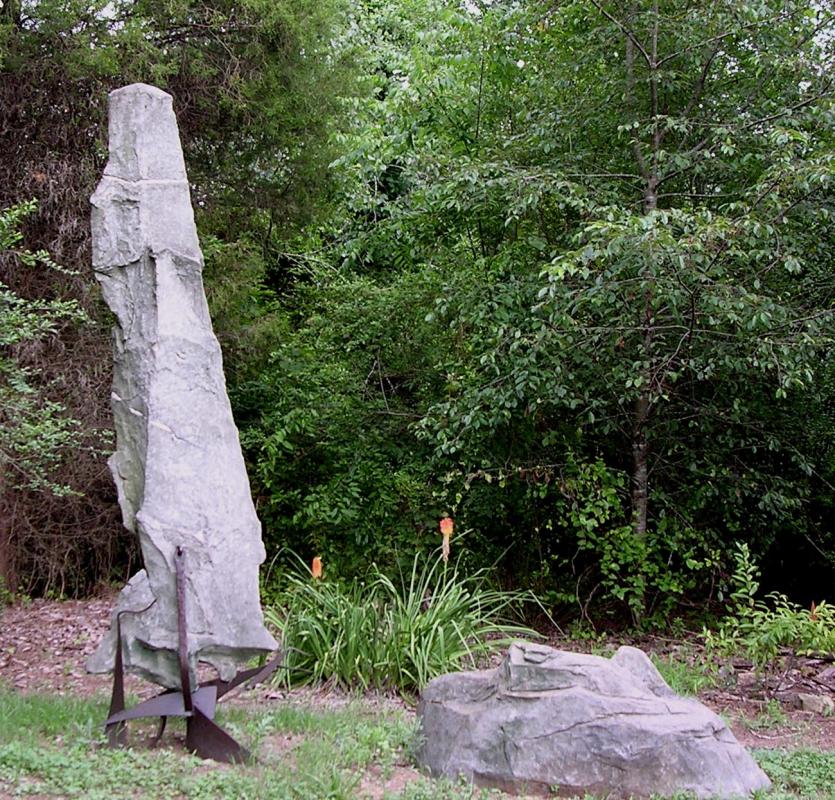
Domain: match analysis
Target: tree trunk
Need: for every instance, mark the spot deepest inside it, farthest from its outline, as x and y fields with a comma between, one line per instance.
x=11, y=11
x=640, y=470
x=642, y=408
x=648, y=168
x=8, y=578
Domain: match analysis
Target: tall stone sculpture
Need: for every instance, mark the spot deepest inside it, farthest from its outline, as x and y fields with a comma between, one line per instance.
x=178, y=466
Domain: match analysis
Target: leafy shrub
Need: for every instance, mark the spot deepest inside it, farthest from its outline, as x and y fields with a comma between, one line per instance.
x=59, y=532
x=376, y=634
x=326, y=422
x=35, y=432
x=759, y=628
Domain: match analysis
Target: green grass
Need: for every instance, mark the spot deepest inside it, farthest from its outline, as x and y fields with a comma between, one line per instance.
x=686, y=674
x=47, y=716
x=53, y=746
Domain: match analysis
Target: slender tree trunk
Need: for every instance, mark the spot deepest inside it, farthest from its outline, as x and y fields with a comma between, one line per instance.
x=8, y=578
x=11, y=11
x=640, y=467
x=648, y=167
x=643, y=403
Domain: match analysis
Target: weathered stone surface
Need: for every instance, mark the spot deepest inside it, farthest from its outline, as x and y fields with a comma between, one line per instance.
x=549, y=720
x=816, y=703
x=178, y=466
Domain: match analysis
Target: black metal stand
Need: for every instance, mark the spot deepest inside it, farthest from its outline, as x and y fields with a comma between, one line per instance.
x=204, y=737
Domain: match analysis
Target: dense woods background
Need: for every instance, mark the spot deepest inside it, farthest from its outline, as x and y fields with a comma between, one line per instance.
x=562, y=270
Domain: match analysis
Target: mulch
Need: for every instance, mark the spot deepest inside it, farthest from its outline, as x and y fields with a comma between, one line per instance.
x=44, y=644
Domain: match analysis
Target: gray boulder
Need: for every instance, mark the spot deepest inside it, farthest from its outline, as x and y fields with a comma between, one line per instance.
x=548, y=720
x=178, y=465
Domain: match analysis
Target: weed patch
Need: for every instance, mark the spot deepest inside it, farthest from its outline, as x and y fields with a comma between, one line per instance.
x=772, y=716
x=761, y=628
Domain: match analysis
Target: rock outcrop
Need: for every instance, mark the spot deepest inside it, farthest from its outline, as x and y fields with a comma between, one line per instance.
x=178, y=465
x=551, y=721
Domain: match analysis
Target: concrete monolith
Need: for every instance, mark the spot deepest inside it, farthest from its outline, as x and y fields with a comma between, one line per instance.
x=178, y=466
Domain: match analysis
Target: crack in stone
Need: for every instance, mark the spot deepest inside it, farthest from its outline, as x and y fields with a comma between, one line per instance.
x=590, y=721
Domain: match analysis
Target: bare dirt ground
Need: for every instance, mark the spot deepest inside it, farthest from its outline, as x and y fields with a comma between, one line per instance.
x=754, y=724
x=44, y=643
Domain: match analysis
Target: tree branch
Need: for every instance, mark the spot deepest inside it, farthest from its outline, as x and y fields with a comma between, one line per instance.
x=630, y=35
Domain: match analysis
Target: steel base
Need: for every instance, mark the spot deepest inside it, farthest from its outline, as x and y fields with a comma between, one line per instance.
x=204, y=736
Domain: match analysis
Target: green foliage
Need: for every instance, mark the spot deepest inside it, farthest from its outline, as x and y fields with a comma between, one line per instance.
x=326, y=420
x=798, y=773
x=687, y=673
x=762, y=628
x=632, y=305
x=564, y=273
x=35, y=432
x=258, y=87
x=372, y=633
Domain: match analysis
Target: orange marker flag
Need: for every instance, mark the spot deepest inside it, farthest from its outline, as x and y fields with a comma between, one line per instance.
x=447, y=526
x=316, y=568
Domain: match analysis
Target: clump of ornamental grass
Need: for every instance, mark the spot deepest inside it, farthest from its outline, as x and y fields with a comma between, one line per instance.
x=376, y=633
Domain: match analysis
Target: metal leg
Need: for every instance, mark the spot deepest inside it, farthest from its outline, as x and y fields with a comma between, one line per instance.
x=207, y=739
x=182, y=627
x=163, y=721
x=203, y=736
x=117, y=734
